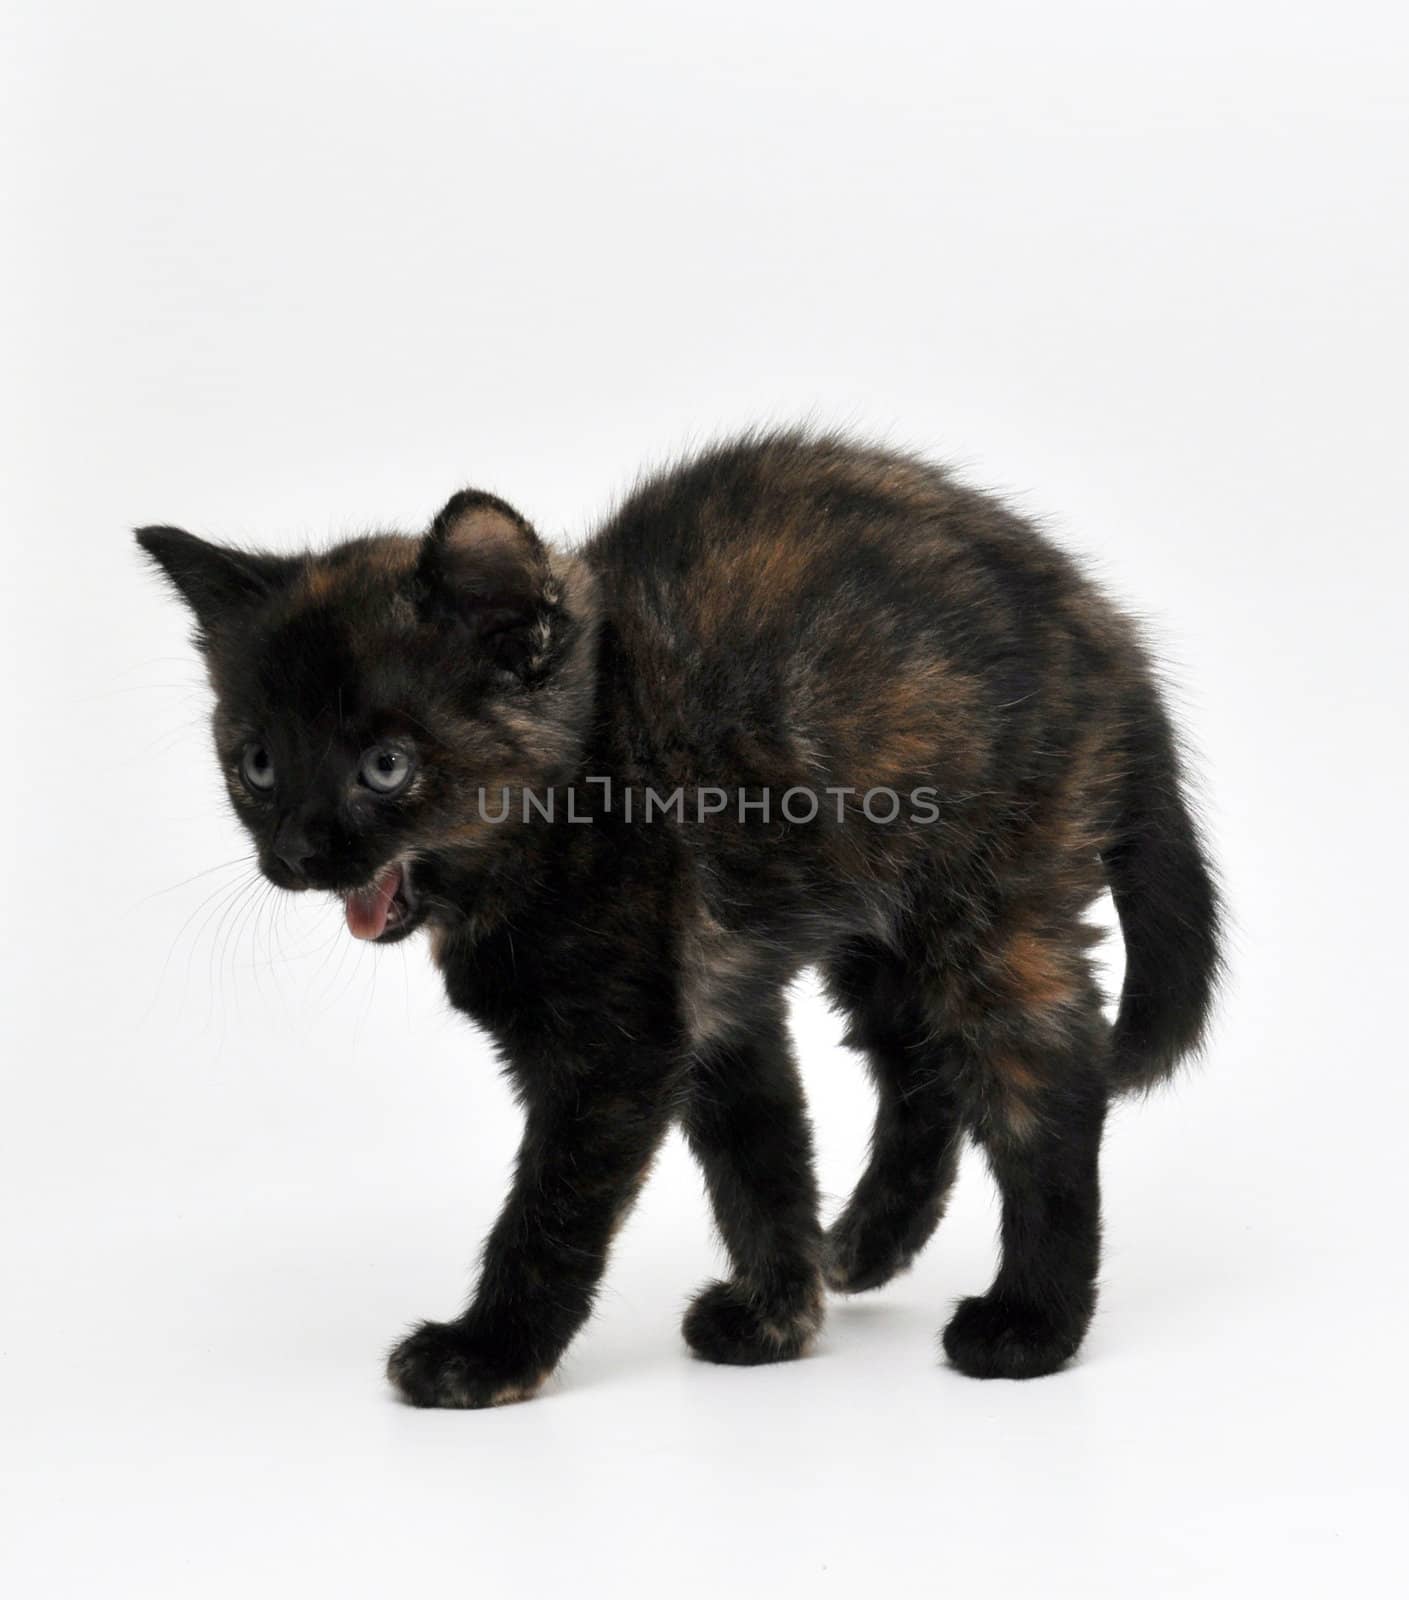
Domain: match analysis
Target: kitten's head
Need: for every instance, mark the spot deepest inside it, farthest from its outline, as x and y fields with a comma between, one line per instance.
x=366, y=695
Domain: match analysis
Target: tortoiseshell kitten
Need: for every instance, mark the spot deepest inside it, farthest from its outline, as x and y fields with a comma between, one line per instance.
x=796, y=702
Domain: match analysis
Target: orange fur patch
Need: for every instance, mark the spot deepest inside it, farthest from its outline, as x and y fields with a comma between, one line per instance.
x=751, y=581
x=1019, y=1084
x=1040, y=972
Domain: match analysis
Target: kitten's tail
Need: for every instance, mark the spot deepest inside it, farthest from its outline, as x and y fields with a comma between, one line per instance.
x=1167, y=898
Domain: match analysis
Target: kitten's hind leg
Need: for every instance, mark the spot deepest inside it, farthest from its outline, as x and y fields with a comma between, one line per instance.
x=1045, y=1105
x=746, y=1122
x=916, y=1141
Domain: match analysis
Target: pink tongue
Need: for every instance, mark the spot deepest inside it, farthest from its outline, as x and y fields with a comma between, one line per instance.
x=368, y=909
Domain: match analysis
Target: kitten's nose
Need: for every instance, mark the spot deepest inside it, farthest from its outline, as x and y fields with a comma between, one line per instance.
x=291, y=845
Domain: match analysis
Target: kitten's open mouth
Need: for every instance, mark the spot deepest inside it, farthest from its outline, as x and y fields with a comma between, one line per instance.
x=385, y=907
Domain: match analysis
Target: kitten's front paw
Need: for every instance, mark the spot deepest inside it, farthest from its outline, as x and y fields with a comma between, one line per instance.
x=857, y=1257
x=992, y=1336
x=442, y=1364
x=729, y=1324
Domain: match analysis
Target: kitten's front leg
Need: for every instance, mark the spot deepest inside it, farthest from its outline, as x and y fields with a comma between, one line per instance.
x=588, y=1142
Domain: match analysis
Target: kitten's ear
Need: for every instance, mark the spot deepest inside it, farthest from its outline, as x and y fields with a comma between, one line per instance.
x=213, y=580
x=483, y=568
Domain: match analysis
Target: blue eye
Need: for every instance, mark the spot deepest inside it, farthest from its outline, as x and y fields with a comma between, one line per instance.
x=257, y=769
x=385, y=768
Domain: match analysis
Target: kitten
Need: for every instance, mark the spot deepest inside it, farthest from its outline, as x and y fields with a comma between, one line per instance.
x=935, y=742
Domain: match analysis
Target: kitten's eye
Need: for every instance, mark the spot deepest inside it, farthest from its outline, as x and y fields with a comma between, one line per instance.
x=385, y=768
x=257, y=769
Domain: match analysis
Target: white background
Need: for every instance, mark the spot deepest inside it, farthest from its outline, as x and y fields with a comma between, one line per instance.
x=286, y=271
